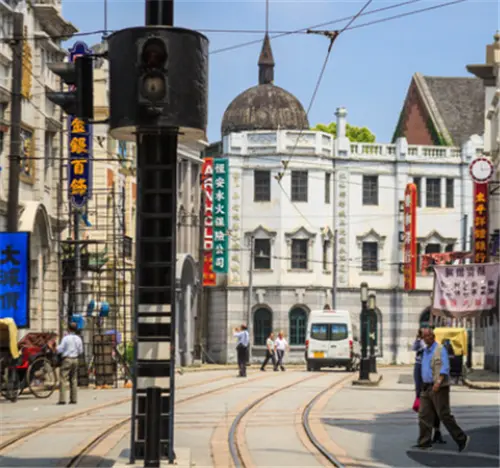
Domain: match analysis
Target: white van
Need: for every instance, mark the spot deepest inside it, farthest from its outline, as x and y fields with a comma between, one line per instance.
x=332, y=340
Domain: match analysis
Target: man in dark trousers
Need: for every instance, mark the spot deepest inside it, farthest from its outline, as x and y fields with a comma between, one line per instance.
x=435, y=394
x=242, y=348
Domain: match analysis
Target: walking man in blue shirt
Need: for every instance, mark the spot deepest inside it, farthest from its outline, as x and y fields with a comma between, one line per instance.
x=242, y=348
x=435, y=394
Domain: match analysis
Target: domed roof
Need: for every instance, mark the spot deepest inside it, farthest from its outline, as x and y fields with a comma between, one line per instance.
x=265, y=106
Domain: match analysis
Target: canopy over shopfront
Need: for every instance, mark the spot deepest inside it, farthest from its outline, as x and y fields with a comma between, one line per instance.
x=465, y=291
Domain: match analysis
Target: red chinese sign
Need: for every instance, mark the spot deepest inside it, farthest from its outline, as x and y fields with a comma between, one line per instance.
x=209, y=277
x=410, y=232
x=480, y=223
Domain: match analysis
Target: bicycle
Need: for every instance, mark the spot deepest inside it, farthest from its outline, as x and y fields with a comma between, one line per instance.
x=33, y=371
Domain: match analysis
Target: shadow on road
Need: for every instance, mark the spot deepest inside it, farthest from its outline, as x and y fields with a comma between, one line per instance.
x=393, y=434
x=33, y=462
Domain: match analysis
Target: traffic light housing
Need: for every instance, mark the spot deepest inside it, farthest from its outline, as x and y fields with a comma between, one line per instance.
x=79, y=76
x=152, y=84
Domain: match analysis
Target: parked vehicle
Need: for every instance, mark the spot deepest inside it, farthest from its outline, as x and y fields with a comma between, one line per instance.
x=455, y=340
x=331, y=340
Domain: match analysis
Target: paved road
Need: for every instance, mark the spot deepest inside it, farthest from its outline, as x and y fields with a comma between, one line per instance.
x=373, y=426
x=377, y=427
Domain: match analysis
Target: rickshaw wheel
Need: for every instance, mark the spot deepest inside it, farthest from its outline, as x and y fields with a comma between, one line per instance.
x=12, y=385
x=41, y=378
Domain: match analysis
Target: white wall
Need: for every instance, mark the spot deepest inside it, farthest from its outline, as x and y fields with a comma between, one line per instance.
x=395, y=166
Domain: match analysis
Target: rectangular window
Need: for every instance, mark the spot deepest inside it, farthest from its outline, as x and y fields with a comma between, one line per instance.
x=418, y=183
x=49, y=153
x=299, y=254
x=370, y=190
x=432, y=248
x=326, y=251
x=450, y=193
x=262, y=254
x=328, y=178
x=449, y=248
x=369, y=260
x=433, y=193
x=419, y=257
x=262, y=186
x=299, y=186
x=127, y=247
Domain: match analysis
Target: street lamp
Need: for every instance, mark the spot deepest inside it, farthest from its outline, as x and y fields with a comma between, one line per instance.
x=364, y=292
x=364, y=369
x=372, y=306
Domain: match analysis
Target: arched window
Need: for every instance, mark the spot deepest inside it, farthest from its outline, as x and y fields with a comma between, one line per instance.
x=262, y=325
x=298, y=322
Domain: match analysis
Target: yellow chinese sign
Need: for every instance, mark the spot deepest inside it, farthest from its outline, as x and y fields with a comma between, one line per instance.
x=80, y=148
x=480, y=223
x=27, y=60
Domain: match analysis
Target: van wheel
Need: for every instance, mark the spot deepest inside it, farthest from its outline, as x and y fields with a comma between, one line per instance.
x=309, y=368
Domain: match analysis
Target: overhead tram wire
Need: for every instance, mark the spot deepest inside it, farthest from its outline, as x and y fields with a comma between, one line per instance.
x=332, y=36
x=314, y=26
x=274, y=33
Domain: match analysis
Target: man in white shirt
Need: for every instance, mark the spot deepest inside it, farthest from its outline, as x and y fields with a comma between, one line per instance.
x=281, y=346
x=242, y=348
x=70, y=348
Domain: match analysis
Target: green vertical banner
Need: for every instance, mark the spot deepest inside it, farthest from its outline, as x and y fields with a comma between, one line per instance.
x=220, y=215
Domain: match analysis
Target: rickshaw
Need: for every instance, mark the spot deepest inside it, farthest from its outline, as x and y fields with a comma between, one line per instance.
x=455, y=339
x=28, y=363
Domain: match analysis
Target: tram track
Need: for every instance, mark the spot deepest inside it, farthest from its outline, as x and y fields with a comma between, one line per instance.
x=239, y=453
x=92, y=448
x=18, y=438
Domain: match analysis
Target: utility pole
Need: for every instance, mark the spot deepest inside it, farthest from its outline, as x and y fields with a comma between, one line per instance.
x=15, y=124
x=201, y=330
x=250, y=292
x=464, y=233
x=334, y=270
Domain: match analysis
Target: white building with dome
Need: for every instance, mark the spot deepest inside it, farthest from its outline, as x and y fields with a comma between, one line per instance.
x=291, y=188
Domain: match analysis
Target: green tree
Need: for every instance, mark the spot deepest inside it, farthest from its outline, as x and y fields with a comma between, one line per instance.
x=355, y=134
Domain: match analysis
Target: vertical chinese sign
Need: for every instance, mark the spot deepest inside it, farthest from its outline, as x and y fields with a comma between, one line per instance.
x=220, y=216
x=80, y=148
x=209, y=278
x=480, y=223
x=410, y=233
x=14, y=277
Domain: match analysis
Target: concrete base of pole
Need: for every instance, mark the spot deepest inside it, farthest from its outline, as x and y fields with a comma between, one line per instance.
x=183, y=460
x=372, y=381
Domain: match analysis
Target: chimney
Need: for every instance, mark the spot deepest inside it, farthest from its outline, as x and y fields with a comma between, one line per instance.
x=343, y=145
x=341, y=115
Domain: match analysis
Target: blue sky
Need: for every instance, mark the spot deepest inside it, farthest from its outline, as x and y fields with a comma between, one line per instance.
x=369, y=70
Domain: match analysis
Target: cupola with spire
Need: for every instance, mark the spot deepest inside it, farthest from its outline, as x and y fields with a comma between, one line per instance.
x=265, y=106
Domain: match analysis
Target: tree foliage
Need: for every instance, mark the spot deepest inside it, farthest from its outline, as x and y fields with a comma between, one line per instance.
x=355, y=134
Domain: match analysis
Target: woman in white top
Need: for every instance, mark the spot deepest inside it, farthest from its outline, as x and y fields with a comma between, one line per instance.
x=281, y=345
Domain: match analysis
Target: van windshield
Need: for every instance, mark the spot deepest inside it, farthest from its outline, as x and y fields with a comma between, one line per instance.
x=338, y=331
x=319, y=331
x=329, y=331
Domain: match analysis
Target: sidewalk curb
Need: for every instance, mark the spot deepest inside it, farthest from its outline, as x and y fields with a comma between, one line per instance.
x=482, y=385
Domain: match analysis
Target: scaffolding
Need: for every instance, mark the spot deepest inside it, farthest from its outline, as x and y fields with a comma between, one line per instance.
x=101, y=290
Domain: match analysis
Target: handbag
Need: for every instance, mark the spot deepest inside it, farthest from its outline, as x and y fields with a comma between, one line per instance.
x=416, y=404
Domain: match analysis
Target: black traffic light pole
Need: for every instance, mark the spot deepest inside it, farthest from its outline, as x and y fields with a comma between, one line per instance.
x=158, y=78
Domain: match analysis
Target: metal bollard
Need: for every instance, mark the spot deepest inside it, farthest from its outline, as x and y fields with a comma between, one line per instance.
x=152, y=434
